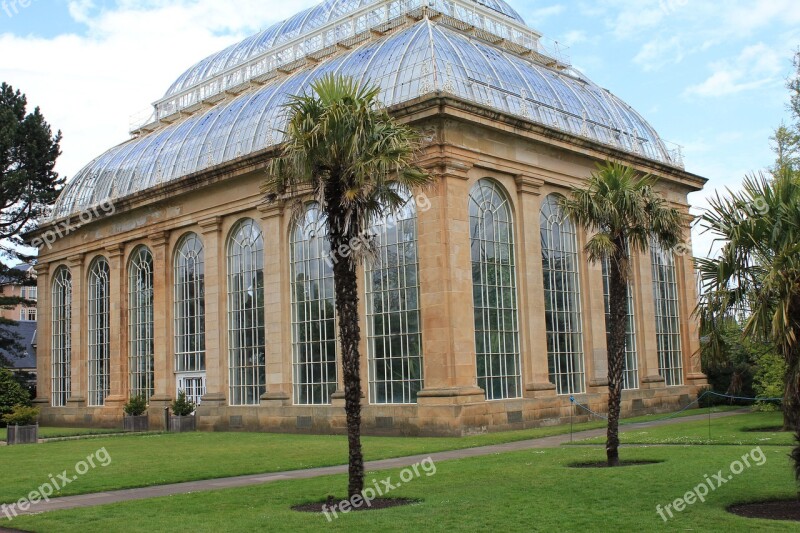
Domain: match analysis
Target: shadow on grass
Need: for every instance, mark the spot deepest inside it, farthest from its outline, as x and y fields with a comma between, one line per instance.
x=604, y=464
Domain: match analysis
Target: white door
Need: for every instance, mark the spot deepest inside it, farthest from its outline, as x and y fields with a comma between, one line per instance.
x=193, y=384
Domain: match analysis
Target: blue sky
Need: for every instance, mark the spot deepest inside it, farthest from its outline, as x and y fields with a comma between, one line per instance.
x=707, y=75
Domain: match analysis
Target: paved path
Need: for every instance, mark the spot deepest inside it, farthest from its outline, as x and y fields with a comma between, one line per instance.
x=102, y=498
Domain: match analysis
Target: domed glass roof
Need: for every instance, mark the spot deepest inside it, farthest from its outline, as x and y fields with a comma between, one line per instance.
x=291, y=28
x=424, y=57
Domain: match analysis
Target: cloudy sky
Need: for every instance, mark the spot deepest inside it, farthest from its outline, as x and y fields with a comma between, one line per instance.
x=707, y=77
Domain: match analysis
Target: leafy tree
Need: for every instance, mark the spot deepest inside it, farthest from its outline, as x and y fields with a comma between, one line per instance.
x=28, y=186
x=625, y=213
x=11, y=392
x=350, y=154
x=769, y=378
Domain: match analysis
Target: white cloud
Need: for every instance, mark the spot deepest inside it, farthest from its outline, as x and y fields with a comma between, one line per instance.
x=89, y=85
x=757, y=66
x=660, y=52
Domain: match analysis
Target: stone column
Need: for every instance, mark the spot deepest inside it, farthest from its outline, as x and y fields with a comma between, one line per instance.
x=446, y=292
x=79, y=348
x=163, y=374
x=533, y=329
x=276, y=306
x=43, y=335
x=214, y=282
x=118, y=326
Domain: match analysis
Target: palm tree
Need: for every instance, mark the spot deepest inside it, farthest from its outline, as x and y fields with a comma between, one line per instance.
x=757, y=273
x=352, y=156
x=622, y=209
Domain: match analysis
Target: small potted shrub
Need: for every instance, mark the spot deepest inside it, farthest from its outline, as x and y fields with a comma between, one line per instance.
x=135, y=418
x=22, y=427
x=182, y=411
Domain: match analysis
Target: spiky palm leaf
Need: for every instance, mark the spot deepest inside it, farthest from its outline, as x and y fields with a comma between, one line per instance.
x=757, y=273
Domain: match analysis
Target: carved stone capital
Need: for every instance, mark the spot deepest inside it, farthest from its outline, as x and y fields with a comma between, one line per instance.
x=159, y=238
x=528, y=184
x=210, y=225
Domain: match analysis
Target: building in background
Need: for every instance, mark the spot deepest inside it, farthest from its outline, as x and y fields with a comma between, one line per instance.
x=12, y=287
x=482, y=311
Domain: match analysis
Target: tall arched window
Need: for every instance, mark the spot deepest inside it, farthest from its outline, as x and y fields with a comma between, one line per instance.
x=140, y=323
x=668, y=330
x=190, y=327
x=561, y=298
x=246, y=337
x=630, y=372
x=313, y=310
x=98, y=332
x=61, y=350
x=393, y=314
x=494, y=291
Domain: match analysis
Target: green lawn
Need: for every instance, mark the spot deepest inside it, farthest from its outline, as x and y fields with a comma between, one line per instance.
x=156, y=459
x=728, y=430
x=51, y=432
x=521, y=491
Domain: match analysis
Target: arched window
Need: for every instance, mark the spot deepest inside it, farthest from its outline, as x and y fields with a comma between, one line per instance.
x=246, y=337
x=313, y=310
x=190, y=327
x=61, y=350
x=140, y=323
x=561, y=298
x=668, y=330
x=494, y=291
x=393, y=314
x=630, y=372
x=98, y=332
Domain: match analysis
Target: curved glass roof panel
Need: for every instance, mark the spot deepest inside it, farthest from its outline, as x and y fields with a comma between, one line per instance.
x=420, y=59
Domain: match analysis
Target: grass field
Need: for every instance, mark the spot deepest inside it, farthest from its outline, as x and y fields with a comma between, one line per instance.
x=520, y=491
x=736, y=430
x=51, y=432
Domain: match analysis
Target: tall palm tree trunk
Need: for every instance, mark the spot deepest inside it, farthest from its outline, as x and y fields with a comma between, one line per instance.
x=618, y=306
x=346, y=289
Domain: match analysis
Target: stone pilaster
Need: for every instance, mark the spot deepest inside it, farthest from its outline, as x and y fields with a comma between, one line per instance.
x=79, y=349
x=215, y=284
x=645, y=324
x=164, y=378
x=593, y=315
x=118, y=326
x=446, y=291
x=533, y=330
x=277, y=310
x=690, y=327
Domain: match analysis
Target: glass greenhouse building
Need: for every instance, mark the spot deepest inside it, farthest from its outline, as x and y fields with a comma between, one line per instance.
x=477, y=312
